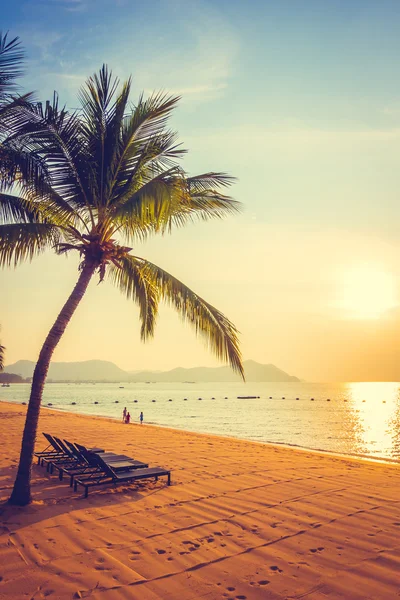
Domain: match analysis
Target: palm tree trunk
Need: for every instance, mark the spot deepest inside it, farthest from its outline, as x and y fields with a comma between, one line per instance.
x=21, y=494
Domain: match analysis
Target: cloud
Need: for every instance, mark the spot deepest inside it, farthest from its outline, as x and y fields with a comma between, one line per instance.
x=196, y=58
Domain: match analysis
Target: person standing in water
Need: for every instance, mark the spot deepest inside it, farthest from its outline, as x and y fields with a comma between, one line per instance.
x=124, y=415
x=141, y=418
x=128, y=418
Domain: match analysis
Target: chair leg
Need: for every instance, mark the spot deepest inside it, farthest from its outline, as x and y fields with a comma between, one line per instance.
x=169, y=478
x=86, y=491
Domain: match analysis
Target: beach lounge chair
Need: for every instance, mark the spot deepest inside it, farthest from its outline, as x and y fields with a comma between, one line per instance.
x=52, y=451
x=86, y=466
x=107, y=456
x=114, y=477
x=67, y=458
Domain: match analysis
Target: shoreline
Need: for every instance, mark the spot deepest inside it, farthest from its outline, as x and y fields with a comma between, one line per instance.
x=242, y=519
x=362, y=457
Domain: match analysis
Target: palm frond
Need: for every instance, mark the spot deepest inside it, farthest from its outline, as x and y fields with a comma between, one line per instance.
x=55, y=136
x=11, y=60
x=131, y=278
x=144, y=143
x=220, y=334
x=14, y=209
x=169, y=199
x=23, y=241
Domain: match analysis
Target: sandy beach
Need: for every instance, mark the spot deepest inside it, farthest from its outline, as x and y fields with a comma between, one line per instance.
x=241, y=520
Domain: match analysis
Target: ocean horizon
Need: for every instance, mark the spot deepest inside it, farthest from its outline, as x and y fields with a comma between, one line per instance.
x=358, y=419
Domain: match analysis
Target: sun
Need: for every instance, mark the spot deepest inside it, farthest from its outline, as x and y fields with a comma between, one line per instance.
x=367, y=292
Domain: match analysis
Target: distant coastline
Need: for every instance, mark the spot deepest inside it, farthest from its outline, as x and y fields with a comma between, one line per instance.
x=98, y=371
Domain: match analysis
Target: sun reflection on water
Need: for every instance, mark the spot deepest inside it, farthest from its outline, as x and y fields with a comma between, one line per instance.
x=376, y=407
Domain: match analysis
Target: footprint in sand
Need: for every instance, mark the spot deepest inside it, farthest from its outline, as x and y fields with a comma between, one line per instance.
x=160, y=551
x=275, y=568
x=135, y=552
x=263, y=582
x=241, y=597
x=230, y=588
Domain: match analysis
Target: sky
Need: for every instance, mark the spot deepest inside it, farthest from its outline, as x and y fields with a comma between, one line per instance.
x=300, y=100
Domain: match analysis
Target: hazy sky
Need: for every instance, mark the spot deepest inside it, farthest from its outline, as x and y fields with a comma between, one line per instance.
x=300, y=99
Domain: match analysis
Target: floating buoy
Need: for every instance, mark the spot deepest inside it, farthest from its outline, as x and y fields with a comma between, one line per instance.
x=270, y=397
x=49, y=404
x=344, y=400
x=213, y=398
x=363, y=400
x=312, y=399
x=135, y=400
x=96, y=402
x=328, y=399
x=297, y=398
x=153, y=400
x=73, y=403
x=383, y=401
x=199, y=398
x=24, y=403
x=170, y=400
x=185, y=399
x=226, y=397
x=117, y=401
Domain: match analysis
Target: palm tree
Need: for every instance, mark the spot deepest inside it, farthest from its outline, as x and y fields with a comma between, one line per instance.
x=109, y=177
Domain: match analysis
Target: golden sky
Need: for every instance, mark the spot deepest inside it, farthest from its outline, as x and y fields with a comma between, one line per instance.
x=303, y=106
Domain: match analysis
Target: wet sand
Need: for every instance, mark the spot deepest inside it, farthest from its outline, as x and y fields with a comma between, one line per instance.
x=241, y=520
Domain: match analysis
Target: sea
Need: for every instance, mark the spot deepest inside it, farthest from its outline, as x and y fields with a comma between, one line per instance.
x=358, y=419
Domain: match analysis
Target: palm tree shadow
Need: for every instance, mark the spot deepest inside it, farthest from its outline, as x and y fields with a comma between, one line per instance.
x=53, y=498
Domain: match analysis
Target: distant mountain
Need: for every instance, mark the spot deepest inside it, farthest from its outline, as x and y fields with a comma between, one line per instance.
x=254, y=372
x=102, y=370
x=88, y=370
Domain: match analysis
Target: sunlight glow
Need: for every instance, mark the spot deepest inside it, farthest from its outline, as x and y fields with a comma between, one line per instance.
x=367, y=292
x=376, y=405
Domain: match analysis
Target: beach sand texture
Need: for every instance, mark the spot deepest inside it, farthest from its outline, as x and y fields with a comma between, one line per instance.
x=241, y=520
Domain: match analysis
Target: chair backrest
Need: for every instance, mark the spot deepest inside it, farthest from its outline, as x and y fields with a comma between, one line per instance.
x=54, y=443
x=74, y=451
x=103, y=465
x=90, y=457
x=65, y=449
